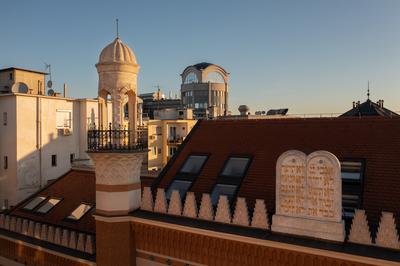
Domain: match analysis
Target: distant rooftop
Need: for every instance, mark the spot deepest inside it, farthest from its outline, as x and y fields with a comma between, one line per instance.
x=23, y=69
x=369, y=108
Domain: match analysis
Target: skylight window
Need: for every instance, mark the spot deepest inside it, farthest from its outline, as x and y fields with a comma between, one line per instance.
x=193, y=164
x=79, y=212
x=352, y=175
x=33, y=203
x=222, y=189
x=46, y=207
x=181, y=185
x=236, y=166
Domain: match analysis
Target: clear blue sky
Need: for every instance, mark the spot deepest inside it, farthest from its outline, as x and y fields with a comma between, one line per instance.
x=310, y=56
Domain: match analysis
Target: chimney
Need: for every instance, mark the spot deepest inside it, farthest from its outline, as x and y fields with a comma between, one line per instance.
x=65, y=90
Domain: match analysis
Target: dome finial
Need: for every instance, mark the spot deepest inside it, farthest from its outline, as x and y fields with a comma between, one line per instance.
x=117, y=28
x=368, y=94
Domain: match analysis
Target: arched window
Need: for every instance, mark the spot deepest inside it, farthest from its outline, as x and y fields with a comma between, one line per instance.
x=215, y=77
x=191, y=78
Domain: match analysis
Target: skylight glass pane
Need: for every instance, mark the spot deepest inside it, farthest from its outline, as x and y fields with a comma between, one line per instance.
x=193, y=164
x=180, y=185
x=235, y=167
x=79, y=212
x=351, y=175
x=222, y=189
x=351, y=170
x=33, y=203
x=45, y=208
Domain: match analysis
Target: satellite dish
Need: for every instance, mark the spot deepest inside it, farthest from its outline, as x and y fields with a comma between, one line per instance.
x=49, y=84
x=50, y=92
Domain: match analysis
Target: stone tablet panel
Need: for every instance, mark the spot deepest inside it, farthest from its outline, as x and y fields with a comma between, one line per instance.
x=309, y=195
x=291, y=184
x=324, y=187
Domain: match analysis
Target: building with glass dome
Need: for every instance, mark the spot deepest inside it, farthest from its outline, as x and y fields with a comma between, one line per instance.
x=205, y=89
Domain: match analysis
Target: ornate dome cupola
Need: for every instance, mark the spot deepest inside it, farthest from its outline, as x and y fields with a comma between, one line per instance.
x=117, y=52
x=117, y=69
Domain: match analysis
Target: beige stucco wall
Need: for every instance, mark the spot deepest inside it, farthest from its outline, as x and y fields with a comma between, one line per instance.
x=34, y=81
x=31, y=137
x=183, y=128
x=38, y=139
x=31, y=79
x=7, y=148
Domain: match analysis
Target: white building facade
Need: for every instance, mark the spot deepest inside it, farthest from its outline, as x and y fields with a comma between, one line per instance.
x=40, y=136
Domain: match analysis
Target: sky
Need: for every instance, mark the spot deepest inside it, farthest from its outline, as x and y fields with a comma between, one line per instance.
x=309, y=56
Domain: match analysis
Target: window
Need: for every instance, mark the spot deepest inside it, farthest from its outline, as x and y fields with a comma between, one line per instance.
x=71, y=157
x=48, y=205
x=159, y=150
x=4, y=118
x=63, y=119
x=230, y=178
x=79, y=212
x=222, y=189
x=172, y=151
x=193, y=164
x=191, y=78
x=352, y=176
x=181, y=185
x=154, y=150
x=33, y=203
x=54, y=160
x=5, y=162
x=158, y=131
x=235, y=167
x=11, y=76
x=214, y=77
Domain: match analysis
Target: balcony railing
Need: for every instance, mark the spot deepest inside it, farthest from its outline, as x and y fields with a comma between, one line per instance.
x=175, y=140
x=116, y=139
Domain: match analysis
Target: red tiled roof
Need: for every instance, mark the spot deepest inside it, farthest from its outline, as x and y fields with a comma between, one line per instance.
x=74, y=188
x=375, y=139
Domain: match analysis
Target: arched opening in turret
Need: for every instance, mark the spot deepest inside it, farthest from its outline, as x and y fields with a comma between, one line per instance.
x=105, y=104
x=129, y=110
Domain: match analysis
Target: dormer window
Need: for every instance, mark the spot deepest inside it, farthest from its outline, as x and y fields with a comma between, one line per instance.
x=186, y=175
x=230, y=178
x=193, y=164
x=48, y=205
x=235, y=166
x=352, y=176
x=33, y=203
x=79, y=212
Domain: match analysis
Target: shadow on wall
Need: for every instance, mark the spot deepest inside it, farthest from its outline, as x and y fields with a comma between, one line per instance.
x=41, y=163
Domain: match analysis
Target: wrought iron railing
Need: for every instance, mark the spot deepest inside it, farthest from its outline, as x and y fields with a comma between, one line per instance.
x=175, y=140
x=116, y=139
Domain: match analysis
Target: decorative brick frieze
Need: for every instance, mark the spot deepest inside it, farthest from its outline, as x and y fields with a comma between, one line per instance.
x=147, y=203
x=161, y=202
x=223, y=213
x=260, y=217
x=387, y=235
x=241, y=216
x=206, y=211
x=359, y=232
x=175, y=204
x=190, y=207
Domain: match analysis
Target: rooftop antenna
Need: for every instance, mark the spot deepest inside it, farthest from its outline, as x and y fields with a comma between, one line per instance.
x=50, y=82
x=117, y=28
x=368, y=91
